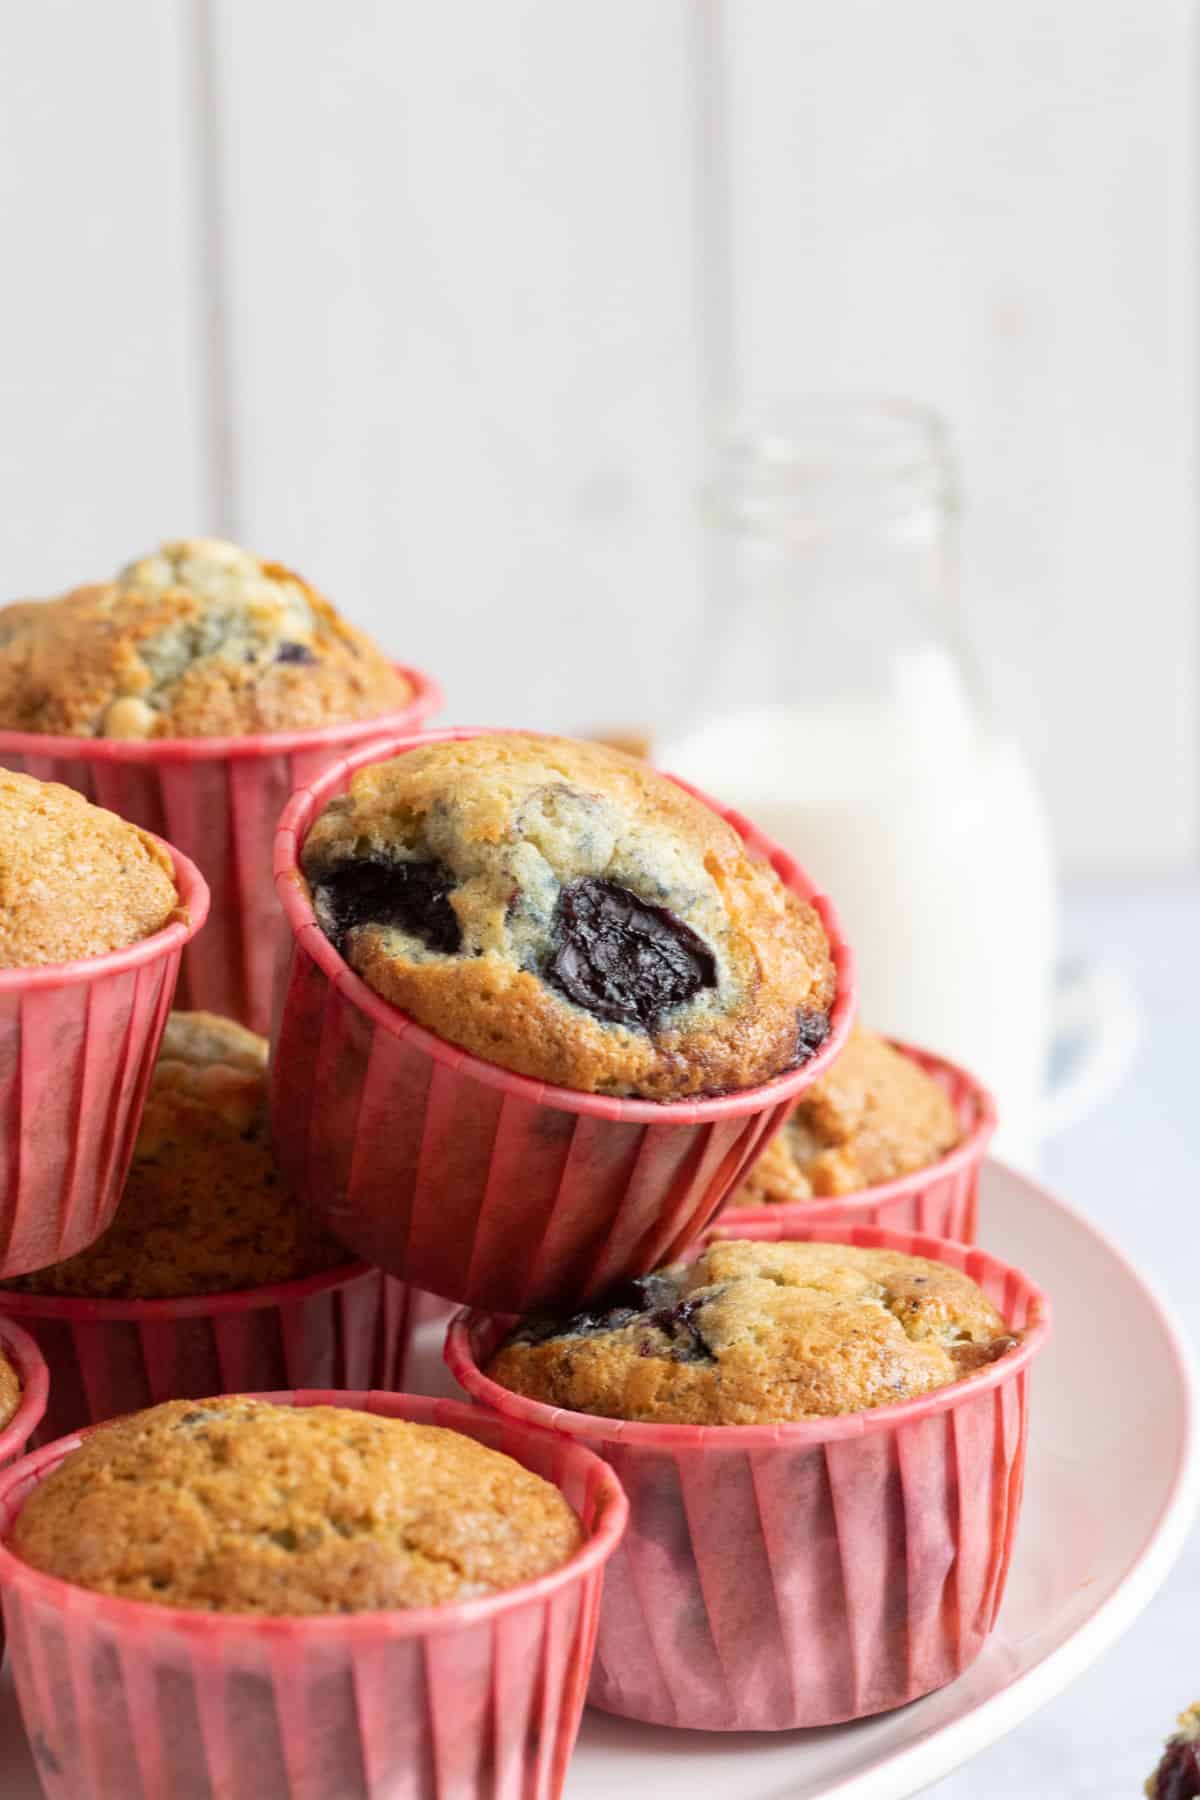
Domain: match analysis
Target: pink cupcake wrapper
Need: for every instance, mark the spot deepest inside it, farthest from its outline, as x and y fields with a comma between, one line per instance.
x=470, y=1181
x=475, y=1701
x=22, y=1352
x=346, y=1328
x=777, y=1576
x=941, y=1200
x=78, y=1042
x=219, y=799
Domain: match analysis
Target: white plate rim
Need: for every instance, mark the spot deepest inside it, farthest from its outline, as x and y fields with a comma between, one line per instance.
x=946, y=1747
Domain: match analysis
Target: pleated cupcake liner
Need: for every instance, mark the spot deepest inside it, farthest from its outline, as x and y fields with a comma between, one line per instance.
x=470, y=1181
x=479, y=1700
x=941, y=1200
x=78, y=1043
x=345, y=1328
x=778, y=1576
x=15, y=1437
x=219, y=800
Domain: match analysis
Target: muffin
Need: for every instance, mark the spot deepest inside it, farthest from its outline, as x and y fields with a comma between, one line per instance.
x=240, y=1506
x=204, y=1210
x=1177, y=1776
x=563, y=911
x=75, y=881
x=874, y=1115
x=10, y=1391
x=760, y=1333
x=199, y=639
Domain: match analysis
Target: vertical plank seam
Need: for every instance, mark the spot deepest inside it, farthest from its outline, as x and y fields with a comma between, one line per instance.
x=200, y=78
x=706, y=29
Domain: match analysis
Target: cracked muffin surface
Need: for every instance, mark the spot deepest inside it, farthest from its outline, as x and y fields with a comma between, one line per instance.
x=204, y=1209
x=75, y=880
x=874, y=1115
x=563, y=910
x=760, y=1333
x=199, y=639
x=239, y=1505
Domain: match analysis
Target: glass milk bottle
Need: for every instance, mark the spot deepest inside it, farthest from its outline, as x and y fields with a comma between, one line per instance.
x=839, y=709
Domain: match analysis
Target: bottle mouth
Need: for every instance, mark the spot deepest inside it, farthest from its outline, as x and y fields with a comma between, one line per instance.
x=823, y=463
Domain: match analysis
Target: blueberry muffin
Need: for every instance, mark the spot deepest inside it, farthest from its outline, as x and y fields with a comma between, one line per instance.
x=75, y=881
x=10, y=1391
x=200, y=639
x=204, y=1210
x=240, y=1506
x=874, y=1115
x=760, y=1333
x=562, y=910
x=1177, y=1776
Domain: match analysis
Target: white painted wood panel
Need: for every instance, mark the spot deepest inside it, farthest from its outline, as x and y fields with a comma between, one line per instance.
x=463, y=335
x=102, y=433
x=993, y=208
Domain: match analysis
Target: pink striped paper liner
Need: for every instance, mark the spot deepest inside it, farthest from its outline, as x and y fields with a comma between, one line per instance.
x=219, y=800
x=78, y=1042
x=475, y=1701
x=776, y=1576
x=472, y=1182
x=345, y=1328
x=941, y=1200
x=15, y=1438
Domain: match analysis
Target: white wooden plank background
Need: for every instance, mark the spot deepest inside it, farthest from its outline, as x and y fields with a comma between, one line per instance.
x=463, y=342
x=441, y=303
x=103, y=421
x=994, y=208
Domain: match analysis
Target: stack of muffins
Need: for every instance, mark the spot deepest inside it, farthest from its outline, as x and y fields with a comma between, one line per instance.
x=541, y=1013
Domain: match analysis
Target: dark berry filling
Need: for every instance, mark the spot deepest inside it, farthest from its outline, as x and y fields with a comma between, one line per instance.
x=812, y=1028
x=294, y=653
x=651, y=1300
x=623, y=959
x=1178, y=1774
x=413, y=896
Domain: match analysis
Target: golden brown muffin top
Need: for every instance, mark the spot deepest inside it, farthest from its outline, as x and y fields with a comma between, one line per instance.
x=75, y=880
x=199, y=639
x=204, y=1210
x=238, y=1505
x=874, y=1115
x=760, y=1333
x=10, y=1390
x=563, y=910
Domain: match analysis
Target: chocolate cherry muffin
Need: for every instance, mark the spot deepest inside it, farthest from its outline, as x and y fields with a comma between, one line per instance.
x=874, y=1115
x=199, y=639
x=75, y=880
x=1177, y=1776
x=760, y=1333
x=240, y=1506
x=204, y=1209
x=564, y=911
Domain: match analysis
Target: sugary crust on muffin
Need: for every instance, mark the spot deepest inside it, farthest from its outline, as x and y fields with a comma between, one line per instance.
x=75, y=880
x=760, y=1333
x=10, y=1390
x=237, y=1505
x=200, y=639
x=517, y=824
x=204, y=1210
x=874, y=1115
